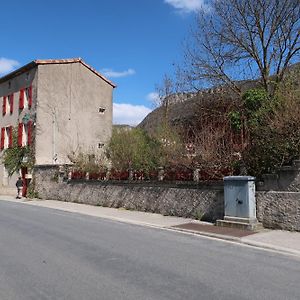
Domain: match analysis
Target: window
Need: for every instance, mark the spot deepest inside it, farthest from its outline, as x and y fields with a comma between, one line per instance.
x=6, y=137
x=7, y=104
x=10, y=104
x=9, y=84
x=92, y=158
x=100, y=145
x=101, y=110
x=24, y=134
x=25, y=98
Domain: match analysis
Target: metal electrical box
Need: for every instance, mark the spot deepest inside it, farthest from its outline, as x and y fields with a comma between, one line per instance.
x=239, y=197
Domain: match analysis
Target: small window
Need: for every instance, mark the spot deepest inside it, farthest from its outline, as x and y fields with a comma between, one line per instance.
x=92, y=158
x=9, y=84
x=100, y=145
x=27, y=77
x=101, y=110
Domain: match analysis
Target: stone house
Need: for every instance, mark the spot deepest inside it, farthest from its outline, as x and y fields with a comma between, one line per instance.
x=58, y=107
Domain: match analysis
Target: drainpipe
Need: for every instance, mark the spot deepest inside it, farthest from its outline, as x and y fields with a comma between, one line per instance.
x=54, y=154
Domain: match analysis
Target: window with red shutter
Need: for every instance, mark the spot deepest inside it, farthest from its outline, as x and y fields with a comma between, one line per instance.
x=30, y=96
x=11, y=103
x=29, y=132
x=20, y=134
x=4, y=106
x=10, y=137
x=21, y=99
x=2, y=137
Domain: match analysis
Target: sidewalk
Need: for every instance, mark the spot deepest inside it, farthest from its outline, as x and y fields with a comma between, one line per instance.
x=277, y=240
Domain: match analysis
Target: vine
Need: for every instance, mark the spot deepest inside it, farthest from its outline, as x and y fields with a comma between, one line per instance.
x=16, y=157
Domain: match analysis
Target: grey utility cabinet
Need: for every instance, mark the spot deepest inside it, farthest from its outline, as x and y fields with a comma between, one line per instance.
x=239, y=197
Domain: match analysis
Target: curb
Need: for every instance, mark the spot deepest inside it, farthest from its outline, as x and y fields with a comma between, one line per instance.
x=207, y=234
x=279, y=249
x=240, y=241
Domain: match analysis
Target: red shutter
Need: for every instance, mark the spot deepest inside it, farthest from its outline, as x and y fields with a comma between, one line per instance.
x=20, y=134
x=2, y=137
x=21, y=99
x=4, y=106
x=29, y=131
x=11, y=103
x=10, y=137
x=30, y=96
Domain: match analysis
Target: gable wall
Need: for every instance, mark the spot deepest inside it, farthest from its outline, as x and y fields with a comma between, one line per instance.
x=69, y=97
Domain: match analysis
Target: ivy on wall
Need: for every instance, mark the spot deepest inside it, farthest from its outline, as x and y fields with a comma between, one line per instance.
x=16, y=157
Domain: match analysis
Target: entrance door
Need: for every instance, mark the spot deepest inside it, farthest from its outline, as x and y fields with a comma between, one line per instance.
x=24, y=172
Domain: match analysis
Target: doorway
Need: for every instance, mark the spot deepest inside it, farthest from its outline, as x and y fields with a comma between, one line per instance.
x=23, y=175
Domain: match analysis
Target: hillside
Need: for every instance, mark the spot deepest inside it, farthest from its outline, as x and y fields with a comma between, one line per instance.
x=183, y=110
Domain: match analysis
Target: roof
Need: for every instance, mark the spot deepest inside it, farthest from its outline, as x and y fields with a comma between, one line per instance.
x=37, y=62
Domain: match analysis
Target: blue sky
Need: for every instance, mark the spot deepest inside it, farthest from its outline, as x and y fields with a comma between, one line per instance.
x=134, y=42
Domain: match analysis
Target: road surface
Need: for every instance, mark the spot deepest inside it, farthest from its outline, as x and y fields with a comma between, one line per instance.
x=52, y=254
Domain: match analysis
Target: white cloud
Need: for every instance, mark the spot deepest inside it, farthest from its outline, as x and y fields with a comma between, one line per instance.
x=115, y=74
x=125, y=113
x=187, y=6
x=7, y=65
x=153, y=97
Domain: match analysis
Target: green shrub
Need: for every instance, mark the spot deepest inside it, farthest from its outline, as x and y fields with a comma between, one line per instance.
x=133, y=149
x=254, y=99
x=170, y=150
x=275, y=135
x=235, y=120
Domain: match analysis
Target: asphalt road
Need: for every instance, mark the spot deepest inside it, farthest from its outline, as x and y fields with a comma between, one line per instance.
x=51, y=254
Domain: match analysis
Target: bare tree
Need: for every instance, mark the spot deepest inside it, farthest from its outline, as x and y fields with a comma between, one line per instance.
x=240, y=38
x=165, y=92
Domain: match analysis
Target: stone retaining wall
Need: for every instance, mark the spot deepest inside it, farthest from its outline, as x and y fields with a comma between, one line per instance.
x=194, y=201
x=280, y=210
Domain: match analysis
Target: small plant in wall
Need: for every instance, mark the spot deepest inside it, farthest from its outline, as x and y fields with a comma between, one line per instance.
x=16, y=157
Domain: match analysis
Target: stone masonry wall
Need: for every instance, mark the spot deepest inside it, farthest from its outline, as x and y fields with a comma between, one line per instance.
x=280, y=210
x=193, y=202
